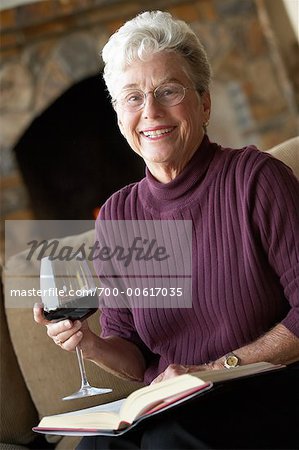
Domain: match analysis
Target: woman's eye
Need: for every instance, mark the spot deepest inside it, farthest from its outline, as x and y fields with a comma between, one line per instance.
x=166, y=92
x=134, y=98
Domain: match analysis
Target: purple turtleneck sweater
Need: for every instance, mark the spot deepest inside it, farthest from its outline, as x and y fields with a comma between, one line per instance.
x=244, y=208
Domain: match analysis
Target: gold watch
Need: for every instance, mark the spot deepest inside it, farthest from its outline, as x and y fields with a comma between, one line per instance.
x=231, y=361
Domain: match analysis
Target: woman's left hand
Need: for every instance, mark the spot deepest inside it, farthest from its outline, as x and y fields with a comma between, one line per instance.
x=173, y=370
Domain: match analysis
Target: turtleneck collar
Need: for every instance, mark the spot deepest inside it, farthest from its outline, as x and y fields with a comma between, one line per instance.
x=183, y=183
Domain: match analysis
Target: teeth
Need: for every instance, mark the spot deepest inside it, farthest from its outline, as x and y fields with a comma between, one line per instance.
x=156, y=133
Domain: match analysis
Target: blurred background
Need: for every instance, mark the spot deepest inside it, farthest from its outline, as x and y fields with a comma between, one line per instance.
x=62, y=155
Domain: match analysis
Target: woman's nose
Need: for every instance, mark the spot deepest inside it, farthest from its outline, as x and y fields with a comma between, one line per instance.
x=152, y=108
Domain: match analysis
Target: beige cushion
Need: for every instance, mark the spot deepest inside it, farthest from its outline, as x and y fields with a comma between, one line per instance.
x=288, y=152
x=68, y=443
x=51, y=373
x=17, y=411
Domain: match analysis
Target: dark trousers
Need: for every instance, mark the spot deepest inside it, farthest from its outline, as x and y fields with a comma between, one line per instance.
x=260, y=412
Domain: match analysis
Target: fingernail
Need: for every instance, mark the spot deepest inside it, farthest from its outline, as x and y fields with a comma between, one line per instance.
x=67, y=324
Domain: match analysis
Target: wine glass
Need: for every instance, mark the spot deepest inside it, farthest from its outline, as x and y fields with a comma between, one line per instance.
x=69, y=292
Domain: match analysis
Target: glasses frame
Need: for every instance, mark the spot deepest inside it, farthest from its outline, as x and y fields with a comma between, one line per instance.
x=145, y=95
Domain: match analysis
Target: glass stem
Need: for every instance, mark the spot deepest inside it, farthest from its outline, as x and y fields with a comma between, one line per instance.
x=82, y=367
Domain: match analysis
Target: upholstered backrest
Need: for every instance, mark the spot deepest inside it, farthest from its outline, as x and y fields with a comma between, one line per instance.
x=288, y=152
x=17, y=411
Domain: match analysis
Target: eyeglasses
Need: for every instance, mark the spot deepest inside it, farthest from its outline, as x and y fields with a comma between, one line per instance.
x=168, y=94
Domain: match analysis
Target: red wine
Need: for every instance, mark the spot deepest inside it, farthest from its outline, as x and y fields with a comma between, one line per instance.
x=74, y=309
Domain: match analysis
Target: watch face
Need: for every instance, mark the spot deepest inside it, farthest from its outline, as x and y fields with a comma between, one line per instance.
x=231, y=361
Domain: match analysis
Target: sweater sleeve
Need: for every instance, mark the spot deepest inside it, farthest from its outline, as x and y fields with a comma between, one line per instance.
x=275, y=215
x=116, y=318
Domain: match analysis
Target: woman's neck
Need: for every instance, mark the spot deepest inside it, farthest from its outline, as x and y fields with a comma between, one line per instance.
x=162, y=196
x=164, y=173
x=168, y=171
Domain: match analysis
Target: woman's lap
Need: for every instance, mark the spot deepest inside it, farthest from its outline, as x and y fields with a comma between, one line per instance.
x=261, y=412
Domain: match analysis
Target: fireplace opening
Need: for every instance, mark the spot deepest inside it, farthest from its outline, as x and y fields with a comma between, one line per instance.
x=73, y=157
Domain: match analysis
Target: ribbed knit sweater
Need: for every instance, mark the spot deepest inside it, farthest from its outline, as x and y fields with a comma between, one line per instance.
x=244, y=208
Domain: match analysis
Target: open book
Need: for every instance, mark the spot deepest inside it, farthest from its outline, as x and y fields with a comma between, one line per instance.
x=118, y=416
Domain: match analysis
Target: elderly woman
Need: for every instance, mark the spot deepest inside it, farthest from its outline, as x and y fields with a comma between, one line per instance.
x=243, y=205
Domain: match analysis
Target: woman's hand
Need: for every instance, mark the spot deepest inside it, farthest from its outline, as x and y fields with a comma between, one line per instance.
x=65, y=333
x=173, y=370
x=114, y=354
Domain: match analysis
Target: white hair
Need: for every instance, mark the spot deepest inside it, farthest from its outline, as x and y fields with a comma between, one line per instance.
x=152, y=32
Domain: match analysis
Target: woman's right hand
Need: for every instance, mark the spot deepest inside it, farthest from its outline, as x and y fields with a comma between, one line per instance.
x=65, y=333
x=114, y=354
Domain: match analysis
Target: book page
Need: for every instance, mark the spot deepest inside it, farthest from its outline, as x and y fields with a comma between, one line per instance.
x=236, y=372
x=145, y=398
x=105, y=407
x=105, y=415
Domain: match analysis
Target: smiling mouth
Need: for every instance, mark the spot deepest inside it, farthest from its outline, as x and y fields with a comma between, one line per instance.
x=155, y=134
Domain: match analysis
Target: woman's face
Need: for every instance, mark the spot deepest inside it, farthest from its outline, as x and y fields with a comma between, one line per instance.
x=180, y=127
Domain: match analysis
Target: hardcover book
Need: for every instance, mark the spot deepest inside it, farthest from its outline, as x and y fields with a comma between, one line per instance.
x=117, y=417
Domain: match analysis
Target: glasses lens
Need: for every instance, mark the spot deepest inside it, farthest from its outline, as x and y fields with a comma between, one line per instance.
x=170, y=94
x=132, y=100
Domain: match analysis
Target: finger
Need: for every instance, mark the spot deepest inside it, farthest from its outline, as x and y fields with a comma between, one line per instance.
x=158, y=378
x=63, y=330
x=173, y=370
x=182, y=369
x=55, y=328
x=176, y=369
x=38, y=314
x=71, y=343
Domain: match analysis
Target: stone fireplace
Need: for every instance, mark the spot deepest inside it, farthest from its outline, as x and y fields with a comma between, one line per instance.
x=72, y=157
x=61, y=152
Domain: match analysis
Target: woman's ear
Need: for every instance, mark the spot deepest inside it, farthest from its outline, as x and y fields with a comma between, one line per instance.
x=118, y=119
x=206, y=102
x=120, y=126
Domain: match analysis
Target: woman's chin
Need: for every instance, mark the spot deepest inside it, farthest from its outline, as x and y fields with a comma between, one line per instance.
x=156, y=160
x=157, y=155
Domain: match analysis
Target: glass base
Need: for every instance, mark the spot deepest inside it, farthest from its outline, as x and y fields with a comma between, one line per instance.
x=87, y=391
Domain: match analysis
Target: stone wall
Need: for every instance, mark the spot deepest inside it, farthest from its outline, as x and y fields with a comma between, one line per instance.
x=48, y=46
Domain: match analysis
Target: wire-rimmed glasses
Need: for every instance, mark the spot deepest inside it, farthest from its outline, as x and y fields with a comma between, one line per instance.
x=167, y=94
